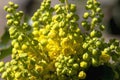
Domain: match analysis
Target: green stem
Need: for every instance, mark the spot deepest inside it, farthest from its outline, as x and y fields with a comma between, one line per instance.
x=67, y=5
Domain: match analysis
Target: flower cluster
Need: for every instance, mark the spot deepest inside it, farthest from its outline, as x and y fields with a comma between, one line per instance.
x=53, y=47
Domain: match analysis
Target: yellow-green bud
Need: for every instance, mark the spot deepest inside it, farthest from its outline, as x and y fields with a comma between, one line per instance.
x=11, y=4
x=83, y=64
x=4, y=75
x=1, y=64
x=10, y=10
x=72, y=7
x=82, y=75
x=14, y=68
x=16, y=45
x=20, y=38
x=75, y=66
x=24, y=47
x=86, y=56
x=15, y=6
x=8, y=16
x=71, y=61
x=35, y=24
x=1, y=69
x=17, y=75
x=9, y=22
x=98, y=10
x=86, y=15
x=5, y=8
x=94, y=62
x=101, y=27
x=16, y=23
x=93, y=33
x=94, y=52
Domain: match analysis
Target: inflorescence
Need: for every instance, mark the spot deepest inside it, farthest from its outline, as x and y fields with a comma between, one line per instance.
x=53, y=47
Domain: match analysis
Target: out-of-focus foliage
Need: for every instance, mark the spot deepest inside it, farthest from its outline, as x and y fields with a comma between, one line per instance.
x=5, y=45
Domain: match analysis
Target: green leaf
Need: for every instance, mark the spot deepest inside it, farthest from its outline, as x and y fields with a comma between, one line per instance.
x=5, y=46
x=5, y=39
x=5, y=52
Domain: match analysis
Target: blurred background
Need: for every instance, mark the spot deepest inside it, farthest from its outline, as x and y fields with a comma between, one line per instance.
x=111, y=10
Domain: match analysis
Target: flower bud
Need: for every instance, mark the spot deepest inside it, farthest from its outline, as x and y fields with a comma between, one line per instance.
x=86, y=15
x=11, y=4
x=82, y=75
x=83, y=64
x=72, y=7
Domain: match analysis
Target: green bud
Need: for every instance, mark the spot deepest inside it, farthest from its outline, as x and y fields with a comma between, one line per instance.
x=24, y=47
x=16, y=45
x=8, y=16
x=86, y=15
x=83, y=64
x=2, y=69
x=98, y=43
x=15, y=6
x=23, y=55
x=57, y=64
x=11, y=4
x=89, y=2
x=35, y=24
x=45, y=18
x=94, y=62
x=72, y=7
x=44, y=42
x=69, y=16
x=17, y=75
x=62, y=24
x=101, y=15
x=86, y=56
x=71, y=61
x=101, y=27
x=5, y=8
x=98, y=10
x=20, y=38
x=90, y=6
x=62, y=33
x=55, y=26
x=60, y=66
x=4, y=75
x=75, y=66
x=14, y=68
x=10, y=10
x=84, y=23
x=93, y=33
x=16, y=23
x=97, y=3
x=94, y=21
x=13, y=42
x=14, y=51
x=1, y=64
x=9, y=22
x=8, y=70
x=19, y=14
x=34, y=18
x=57, y=6
x=85, y=45
x=35, y=42
x=13, y=61
x=82, y=75
x=94, y=52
